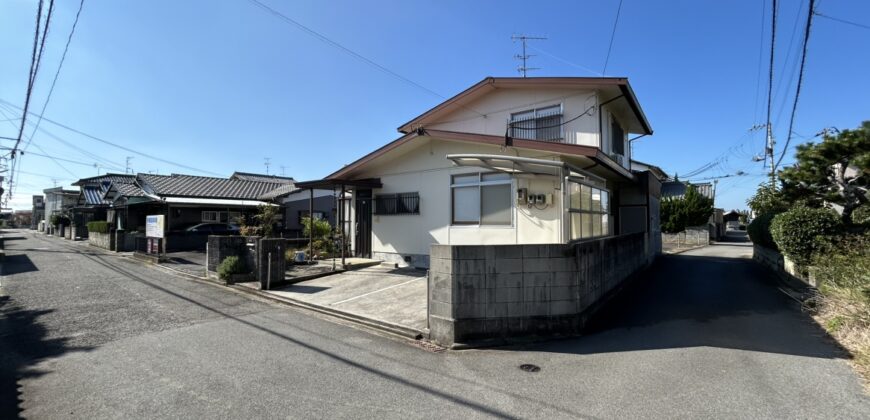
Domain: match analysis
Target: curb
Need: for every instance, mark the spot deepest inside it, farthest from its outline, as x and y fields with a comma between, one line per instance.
x=389, y=328
x=384, y=326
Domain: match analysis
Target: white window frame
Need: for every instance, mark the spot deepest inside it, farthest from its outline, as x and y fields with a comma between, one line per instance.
x=214, y=219
x=604, y=212
x=535, y=117
x=479, y=184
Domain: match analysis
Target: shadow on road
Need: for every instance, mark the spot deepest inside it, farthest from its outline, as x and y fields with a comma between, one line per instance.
x=18, y=263
x=690, y=301
x=24, y=343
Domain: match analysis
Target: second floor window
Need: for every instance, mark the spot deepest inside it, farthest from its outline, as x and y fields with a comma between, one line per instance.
x=538, y=124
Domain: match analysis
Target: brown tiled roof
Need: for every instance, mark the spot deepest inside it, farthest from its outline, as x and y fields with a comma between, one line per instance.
x=176, y=185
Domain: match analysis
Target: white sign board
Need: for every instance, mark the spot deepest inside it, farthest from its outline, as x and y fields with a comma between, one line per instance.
x=154, y=226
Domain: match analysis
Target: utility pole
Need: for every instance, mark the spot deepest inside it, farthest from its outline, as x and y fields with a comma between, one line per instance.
x=525, y=57
x=770, y=147
x=267, y=164
x=127, y=169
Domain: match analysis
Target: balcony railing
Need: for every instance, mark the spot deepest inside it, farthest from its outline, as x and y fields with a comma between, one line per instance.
x=543, y=128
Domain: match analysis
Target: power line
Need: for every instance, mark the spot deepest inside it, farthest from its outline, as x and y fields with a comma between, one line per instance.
x=612, y=36
x=90, y=136
x=860, y=25
x=570, y=63
x=56, y=73
x=800, y=81
x=770, y=142
x=352, y=53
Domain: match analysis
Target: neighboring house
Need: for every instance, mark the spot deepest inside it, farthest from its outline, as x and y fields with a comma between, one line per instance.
x=507, y=161
x=678, y=189
x=638, y=166
x=38, y=211
x=91, y=204
x=59, y=200
x=185, y=200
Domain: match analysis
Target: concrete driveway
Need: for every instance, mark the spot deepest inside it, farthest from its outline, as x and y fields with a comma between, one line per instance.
x=396, y=296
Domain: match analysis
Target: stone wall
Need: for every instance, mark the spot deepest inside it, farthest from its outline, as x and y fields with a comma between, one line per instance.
x=693, y=236
x=490, y=293
x=102, y=240
x=783, y=267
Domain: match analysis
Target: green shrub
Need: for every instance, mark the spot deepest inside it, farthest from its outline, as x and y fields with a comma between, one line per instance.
x=58, y=219
x=759, y=231
x=843, y=264
x=861, y=215
x=801, y=231
x=229, y=266
x=692, y=209
x=98, y=226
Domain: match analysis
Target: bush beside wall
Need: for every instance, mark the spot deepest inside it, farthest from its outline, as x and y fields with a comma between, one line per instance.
x=98, y=226
x=801, y=231
x=759, y=231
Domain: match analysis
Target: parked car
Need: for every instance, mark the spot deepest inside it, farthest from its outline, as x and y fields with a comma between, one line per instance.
x=212, y=229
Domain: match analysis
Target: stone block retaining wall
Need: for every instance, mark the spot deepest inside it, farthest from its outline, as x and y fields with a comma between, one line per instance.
x=783, y=267
x=102, y=240
x=493, y=292
x=693, y=236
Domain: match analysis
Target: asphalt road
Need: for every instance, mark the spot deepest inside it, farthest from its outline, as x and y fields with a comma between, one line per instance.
x=702, y=334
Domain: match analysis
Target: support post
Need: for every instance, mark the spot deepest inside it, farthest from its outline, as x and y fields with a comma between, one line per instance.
x=311, y=225
x=342, y=203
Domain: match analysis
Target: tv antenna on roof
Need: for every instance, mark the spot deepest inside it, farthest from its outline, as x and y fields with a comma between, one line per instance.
x=267, y=163
x=525, y=57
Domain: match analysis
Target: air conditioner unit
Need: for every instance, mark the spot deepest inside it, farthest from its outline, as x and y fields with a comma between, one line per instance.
x=620, y=159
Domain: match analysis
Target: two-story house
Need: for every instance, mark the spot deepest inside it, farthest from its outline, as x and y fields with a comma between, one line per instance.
x=507, y=161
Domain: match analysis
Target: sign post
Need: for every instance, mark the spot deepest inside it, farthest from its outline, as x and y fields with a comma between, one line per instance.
x=154, y=225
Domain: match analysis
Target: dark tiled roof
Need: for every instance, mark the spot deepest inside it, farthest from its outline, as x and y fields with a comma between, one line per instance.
x=245, y=176
x=206, y=187
x=129, y=190
x=93, y=195
x=678, y=189
x=113, y=178
x=277, y=192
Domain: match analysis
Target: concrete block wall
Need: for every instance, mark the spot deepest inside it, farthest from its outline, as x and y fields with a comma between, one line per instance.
x=220, y=247
x=270, y=271
x=494, y=292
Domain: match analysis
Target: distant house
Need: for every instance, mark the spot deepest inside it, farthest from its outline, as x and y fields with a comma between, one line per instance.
x=507, y=161
x=678, y=189
x=38, y=213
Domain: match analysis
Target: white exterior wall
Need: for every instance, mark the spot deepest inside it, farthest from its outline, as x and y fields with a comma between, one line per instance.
x=426, y=170
x=499, y=105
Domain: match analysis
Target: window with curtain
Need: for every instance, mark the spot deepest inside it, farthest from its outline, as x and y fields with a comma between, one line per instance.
x=589, y=210
x=482, y=199
x=401, y=203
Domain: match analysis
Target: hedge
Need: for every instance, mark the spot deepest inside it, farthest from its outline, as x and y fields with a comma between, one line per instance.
x=98, y=226
x=801, y=231
x=759, y=231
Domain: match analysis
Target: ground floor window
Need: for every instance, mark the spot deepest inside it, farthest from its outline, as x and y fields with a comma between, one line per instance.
x=482, y=199
x=589, y=208
x=213, y=216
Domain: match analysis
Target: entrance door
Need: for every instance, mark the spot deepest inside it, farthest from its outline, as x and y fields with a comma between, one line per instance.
x=363, y=213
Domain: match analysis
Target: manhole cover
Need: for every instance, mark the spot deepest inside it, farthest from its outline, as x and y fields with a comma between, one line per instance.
x=530, y=368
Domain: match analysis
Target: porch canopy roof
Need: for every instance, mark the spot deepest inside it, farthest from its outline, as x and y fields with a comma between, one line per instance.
x=521, y=165
x=331, y=183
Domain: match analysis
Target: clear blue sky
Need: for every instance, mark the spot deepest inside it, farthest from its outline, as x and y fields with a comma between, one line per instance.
x=219, y=85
